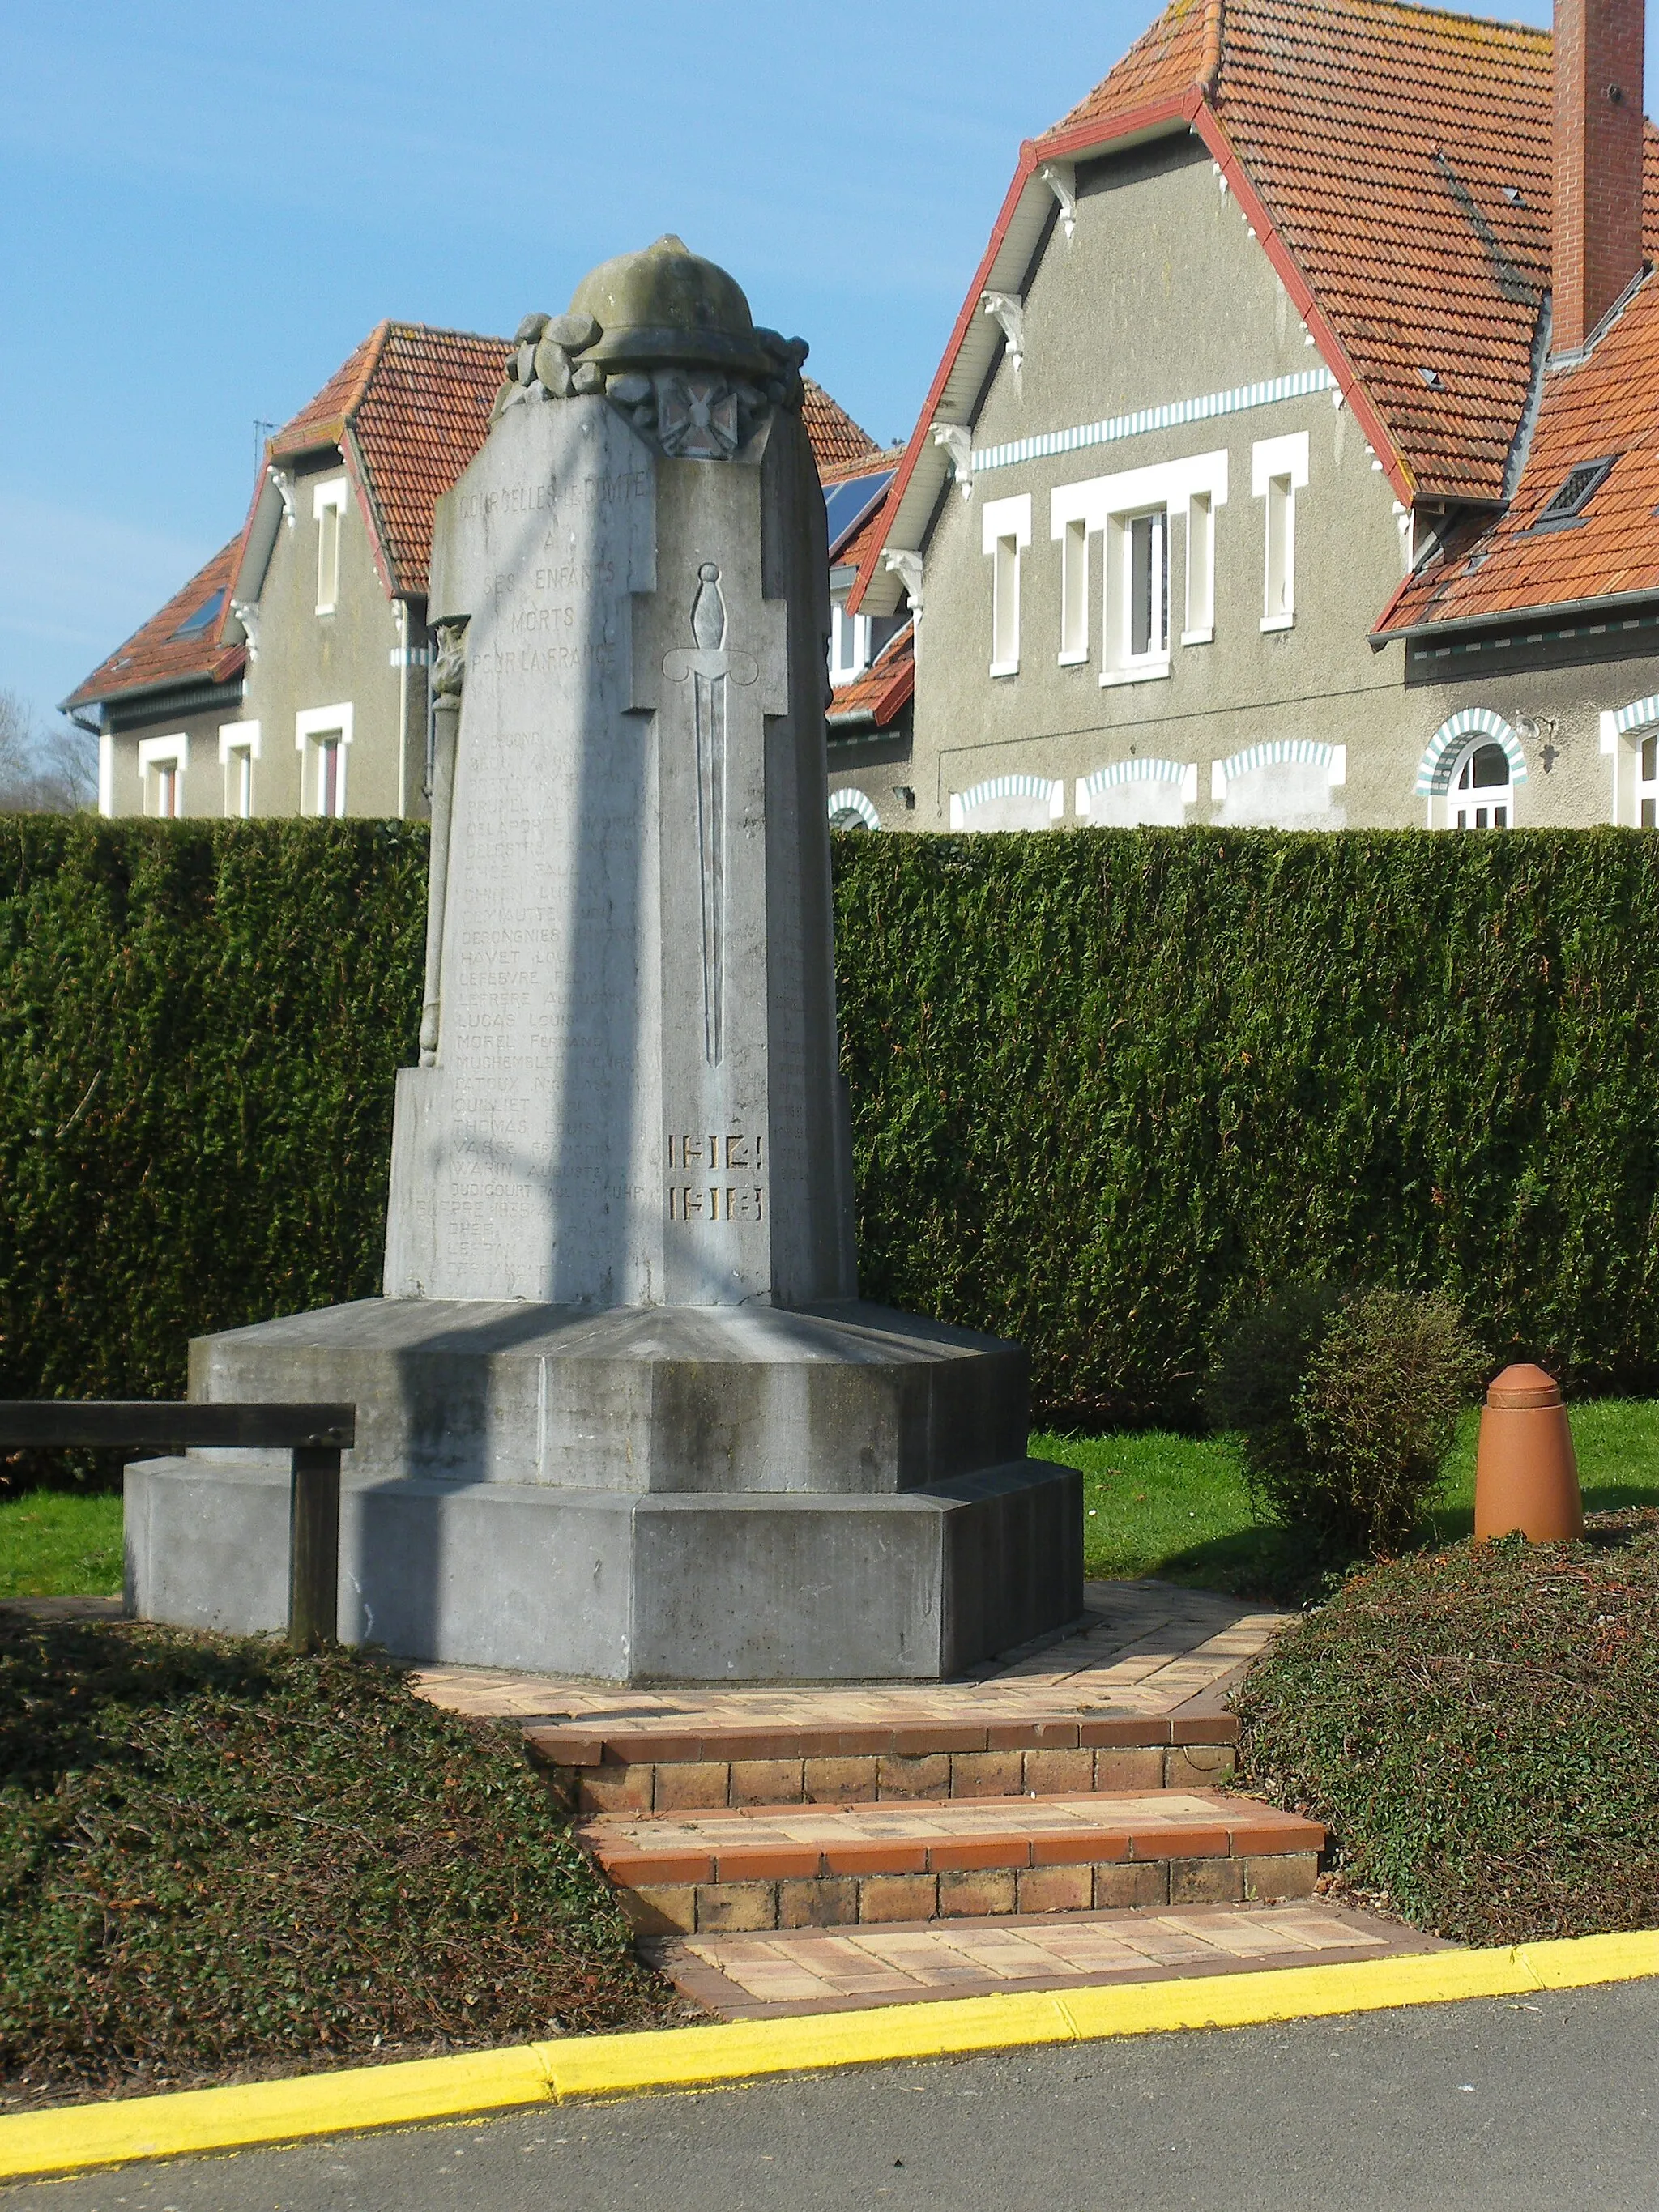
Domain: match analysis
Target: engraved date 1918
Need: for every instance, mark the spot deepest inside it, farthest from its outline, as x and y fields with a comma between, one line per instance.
x=706, y=1157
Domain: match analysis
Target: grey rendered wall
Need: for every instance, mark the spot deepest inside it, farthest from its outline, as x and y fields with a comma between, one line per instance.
x=307, y=660
x=1163, y=296
x=1565, y=702
x=203, y=784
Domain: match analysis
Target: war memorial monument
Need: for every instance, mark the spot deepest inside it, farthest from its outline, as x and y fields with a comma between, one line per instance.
x=621, y=1411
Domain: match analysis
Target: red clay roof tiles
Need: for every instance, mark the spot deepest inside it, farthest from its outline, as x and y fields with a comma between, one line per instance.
x=1610, y=404
x=836, y=438
x=1404, y=155
x=421, y=414
x=1167, y=59
x=156, y=655
x=886, y=686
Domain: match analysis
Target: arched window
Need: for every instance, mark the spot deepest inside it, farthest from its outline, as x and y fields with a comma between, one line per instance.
x=850, y=809
x=1471, y=771
x=1482, y=794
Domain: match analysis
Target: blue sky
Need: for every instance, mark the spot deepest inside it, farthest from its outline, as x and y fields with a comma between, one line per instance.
x=204, y=209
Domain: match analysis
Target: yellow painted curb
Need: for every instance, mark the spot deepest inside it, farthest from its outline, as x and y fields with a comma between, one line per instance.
x=69, y=2138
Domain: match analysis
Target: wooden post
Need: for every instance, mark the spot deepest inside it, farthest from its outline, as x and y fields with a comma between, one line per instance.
x=313, y=1536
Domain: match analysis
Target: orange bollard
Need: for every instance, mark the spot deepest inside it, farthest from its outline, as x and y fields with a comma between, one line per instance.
x=1526, y=1472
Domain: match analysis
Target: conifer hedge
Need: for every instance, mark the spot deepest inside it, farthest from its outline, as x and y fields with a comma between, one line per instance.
x=1106, y=1085
x=199, y=1026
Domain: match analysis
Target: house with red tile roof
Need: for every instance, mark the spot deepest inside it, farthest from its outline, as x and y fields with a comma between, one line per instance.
x=1270, y=360
x=289, y=675
x=872, y=656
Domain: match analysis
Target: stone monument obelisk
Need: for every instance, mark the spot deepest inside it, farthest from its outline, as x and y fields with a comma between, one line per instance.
x=620, y=1411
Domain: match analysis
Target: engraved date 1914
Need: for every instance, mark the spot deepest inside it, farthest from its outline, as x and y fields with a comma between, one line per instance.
x=711, y=1158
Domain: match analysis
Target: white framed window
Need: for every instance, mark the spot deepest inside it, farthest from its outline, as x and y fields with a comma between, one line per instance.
x=322, y=736
x=849, y=644
x=1132, y=510
x=1006, y=531
x=1451, y=750
x=106, y=773
x=161, y=765
x=1482, y=793
x=1074, y=592
x=328, y=506
x=239, y=748
x=1628, y=740
x=1279, y=470
x=1199, y=628
x=1138, y=590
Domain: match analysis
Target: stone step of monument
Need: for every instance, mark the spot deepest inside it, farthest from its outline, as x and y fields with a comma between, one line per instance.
x=822, y=1866
x=638, y=1767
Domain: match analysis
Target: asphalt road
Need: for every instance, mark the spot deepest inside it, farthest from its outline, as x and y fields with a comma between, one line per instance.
x=1455, y=2108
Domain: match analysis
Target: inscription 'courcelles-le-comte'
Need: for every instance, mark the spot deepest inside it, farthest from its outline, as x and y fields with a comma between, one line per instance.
x=640, y=1103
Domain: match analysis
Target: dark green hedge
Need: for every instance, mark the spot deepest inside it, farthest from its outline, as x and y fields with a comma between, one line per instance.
x=198, y=1030
x=1105, y=1085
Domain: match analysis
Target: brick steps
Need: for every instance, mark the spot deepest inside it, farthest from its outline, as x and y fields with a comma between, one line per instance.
x=648, y=1769
x=819, y=1866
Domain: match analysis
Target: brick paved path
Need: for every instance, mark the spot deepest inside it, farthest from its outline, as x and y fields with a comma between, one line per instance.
x=1148, y=1649
x=820, y=1970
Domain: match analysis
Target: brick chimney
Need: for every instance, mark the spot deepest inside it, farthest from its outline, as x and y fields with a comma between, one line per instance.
x=1598, y=162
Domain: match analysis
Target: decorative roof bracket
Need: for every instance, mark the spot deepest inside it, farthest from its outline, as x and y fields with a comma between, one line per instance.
x=1061, y=177
x=907, y=567
x=958, y=443
x=1009, y=310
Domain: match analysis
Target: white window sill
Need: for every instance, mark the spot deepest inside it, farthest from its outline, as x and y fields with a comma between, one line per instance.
x=1136, y=672
x=328, y=609
x=1005, y=668
x=1074, y=660
x=1278, y=622
x=840, y=677
x=1198, y=637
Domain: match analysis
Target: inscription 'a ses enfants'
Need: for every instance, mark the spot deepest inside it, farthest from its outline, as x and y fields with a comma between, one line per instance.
x=711, y=1159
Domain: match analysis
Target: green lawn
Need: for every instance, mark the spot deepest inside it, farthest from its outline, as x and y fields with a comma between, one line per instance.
x=56, y=1543
x=1176, y=1506
x=1155, y=1504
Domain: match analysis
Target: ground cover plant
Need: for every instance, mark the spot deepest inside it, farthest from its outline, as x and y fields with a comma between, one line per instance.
x=1476, y=1726
x=219, y=1856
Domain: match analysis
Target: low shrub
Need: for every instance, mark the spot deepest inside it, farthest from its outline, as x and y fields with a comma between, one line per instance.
x=218, y=1855
x=1476, y=1727
x=1347, y=1408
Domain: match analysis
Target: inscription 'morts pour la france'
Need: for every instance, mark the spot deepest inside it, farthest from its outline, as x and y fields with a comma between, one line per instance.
x=710, y=668
x=711, y=1158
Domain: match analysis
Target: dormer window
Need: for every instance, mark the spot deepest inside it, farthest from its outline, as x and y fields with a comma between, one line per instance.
x=849, y=645
x=1567, y=505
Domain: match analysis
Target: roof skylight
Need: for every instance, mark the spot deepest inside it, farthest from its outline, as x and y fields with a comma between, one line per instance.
x=1568, y=503
x=203, y=618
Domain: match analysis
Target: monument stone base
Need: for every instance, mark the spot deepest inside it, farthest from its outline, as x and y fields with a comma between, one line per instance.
x=661, y=1493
